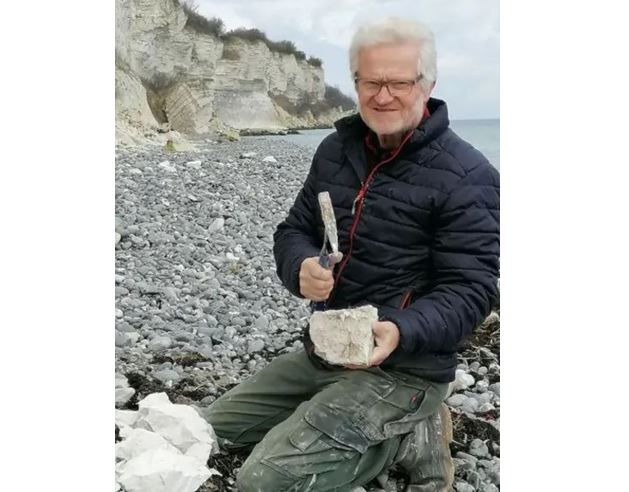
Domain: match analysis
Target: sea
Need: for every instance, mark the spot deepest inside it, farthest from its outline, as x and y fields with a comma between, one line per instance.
x=484, y=135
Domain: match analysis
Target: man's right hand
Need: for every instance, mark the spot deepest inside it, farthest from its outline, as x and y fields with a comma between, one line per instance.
x=315, y=282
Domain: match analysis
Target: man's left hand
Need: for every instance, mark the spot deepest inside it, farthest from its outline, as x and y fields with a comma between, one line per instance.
x=387, y=338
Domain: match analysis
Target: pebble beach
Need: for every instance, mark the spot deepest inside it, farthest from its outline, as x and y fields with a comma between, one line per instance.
x=199, y=307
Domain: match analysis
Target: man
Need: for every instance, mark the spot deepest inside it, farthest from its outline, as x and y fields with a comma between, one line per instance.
x=417, y=213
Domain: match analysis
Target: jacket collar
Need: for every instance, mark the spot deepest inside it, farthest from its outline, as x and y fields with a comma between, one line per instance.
x=352, y=131
x=353, y=127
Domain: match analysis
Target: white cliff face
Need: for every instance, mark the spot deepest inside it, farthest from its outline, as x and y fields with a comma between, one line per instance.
x=166, y=72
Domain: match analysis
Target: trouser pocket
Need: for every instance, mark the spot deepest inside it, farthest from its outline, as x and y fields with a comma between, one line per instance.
x=337, y=426
x=412, y=400
x=317, y=444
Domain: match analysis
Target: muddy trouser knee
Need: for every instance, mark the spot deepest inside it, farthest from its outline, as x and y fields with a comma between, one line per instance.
x=242, y=416
x=425, y=454
x=345, y=427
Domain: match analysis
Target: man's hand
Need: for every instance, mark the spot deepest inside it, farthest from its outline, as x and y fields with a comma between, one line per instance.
x=387, y=338
x=316, y=282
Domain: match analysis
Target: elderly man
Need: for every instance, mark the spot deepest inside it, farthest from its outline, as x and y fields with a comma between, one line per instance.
x=417, y=211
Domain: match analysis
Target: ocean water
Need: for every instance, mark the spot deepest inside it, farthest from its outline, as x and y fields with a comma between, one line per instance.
x=482, y=134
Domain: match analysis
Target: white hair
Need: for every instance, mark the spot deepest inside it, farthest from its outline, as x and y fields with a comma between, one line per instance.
x=394, y=30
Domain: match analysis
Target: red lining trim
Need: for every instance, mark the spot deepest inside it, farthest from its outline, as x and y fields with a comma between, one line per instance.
x=406, y=300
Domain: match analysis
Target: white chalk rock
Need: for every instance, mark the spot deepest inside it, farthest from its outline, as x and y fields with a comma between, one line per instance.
x=123, y=395
x=462, y=380
x=269, y=158
x=493, y=317
x=137, y=441
x=166, y=166
x=216, y=225
x=180, y=425
x=126, y=418
x=194, y=164
x=344, y=336
x=161, y=470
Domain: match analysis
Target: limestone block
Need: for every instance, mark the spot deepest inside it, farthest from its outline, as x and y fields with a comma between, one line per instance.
x=344, y=336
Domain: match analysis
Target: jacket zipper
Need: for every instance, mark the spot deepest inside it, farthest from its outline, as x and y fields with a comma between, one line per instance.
x=357, y=207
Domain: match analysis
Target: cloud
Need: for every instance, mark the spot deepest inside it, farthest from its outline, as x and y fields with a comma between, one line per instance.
x=467, y=35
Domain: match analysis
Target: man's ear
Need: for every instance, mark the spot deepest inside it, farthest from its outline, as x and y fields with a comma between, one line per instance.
x=429, y=91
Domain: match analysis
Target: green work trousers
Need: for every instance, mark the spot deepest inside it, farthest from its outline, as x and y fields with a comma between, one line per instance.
x=322, y=428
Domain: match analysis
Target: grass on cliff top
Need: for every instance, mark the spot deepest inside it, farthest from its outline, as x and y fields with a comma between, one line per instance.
x=215, y=27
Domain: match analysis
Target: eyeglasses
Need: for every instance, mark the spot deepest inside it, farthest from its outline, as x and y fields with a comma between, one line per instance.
x=370, y=87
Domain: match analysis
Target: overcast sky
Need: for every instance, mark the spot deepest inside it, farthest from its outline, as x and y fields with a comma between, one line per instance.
x=467, y=36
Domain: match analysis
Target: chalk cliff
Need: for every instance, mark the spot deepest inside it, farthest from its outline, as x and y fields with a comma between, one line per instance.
x=169, y=75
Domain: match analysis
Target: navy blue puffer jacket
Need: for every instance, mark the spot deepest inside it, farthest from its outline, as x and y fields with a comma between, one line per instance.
x=420, y=234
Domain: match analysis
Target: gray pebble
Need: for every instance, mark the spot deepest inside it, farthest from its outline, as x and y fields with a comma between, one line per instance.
x=121, y=339
x=460, y=465
x=467, y=457
x=121, y=381
x=481, y=398
x=166, y=375
x=160, y=343
x=488, y=487
x=230, y=332
x=460, y=486
x=473, y=478
x=124, y=327
x=456, y=400
x=482, y=386
x=123, y=395
x=486, y=407
x=478, y=448
x=470, y=405
x=133, y=337
x=495, y=388
x=255, y=345
x=121, y=291
x=262, y=323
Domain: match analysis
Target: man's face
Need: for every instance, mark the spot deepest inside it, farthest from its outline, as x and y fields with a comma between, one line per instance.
x=384, y=113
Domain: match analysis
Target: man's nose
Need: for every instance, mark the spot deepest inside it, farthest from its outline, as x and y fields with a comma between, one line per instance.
x=383, y=96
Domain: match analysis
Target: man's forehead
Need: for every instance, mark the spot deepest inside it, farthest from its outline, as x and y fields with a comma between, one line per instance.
x=390, y=57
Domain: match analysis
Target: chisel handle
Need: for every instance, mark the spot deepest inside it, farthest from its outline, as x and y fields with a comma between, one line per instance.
x=324, y=261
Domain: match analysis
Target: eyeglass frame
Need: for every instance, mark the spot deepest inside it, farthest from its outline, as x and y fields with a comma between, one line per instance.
x=383, y=83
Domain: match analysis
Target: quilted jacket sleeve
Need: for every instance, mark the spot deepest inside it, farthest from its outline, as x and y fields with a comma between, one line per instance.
x=465, y=269
x=295, y=238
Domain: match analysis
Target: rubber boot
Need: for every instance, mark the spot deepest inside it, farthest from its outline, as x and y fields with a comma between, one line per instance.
x=425, y=454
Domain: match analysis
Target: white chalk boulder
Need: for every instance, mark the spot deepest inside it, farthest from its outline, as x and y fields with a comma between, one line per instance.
x=165, y=447
x=344, y=336
x=180, y=425
x=162, y=470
